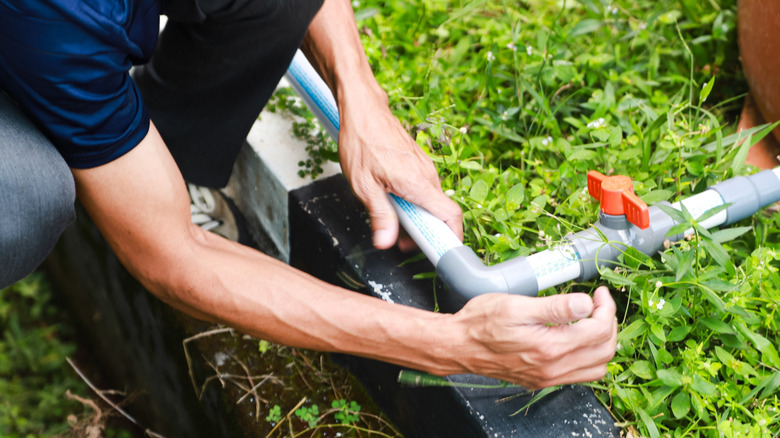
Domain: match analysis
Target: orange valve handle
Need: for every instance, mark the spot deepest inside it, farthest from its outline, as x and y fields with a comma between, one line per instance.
x=616, y=196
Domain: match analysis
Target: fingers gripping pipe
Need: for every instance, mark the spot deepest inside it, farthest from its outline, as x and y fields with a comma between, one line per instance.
x=582, y=254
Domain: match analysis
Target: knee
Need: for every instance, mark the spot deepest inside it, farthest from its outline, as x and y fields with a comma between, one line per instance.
x=37, y=214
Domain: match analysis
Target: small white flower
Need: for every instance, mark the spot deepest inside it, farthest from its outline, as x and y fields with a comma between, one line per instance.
x=618, y=346
x=497, y=235
x=642, y=26
x=491, y=57
x=449, y=192
x=595, y=124
x=541, y=233
x=464, y=130
x=612, y=9
x=529, y=50
x=658, y=284
x=504, y=116
x=547, y=141
x=355, y=3
x=511, y=47
x=650, y=303
x=660, y=304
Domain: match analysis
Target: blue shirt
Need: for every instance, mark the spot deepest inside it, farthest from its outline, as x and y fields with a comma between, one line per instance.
x=66, y=63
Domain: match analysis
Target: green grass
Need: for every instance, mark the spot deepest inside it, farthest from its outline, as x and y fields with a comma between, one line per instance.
x=34, y=377
x=516, y=101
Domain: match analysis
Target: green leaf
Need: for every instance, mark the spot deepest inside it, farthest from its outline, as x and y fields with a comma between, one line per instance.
x=702, y=386
x=678, y=333
x=514, y=197
x=717, y=325
x=479, y=190
x=712, y=212
x=586, y=26
x=658, y=331
x=582, y=154
x=674, y=213
x=656, y=196
x=615, y=137
x=470, y=165
x=719, y=285
x=539, y=202
x=636, y=328
x=500, y=215
x=544, y=392
x=712, y=298
x=759, y=341
x=739, y=159
x=685, y=264
x=633, y=259
x=717, y=252
x=648, y=422
x=706, y=89
x=770, y=355
x=677, y=229
x=643, y=369
x=770, y=385
x=366, y=13
x=724, y=356
x=615, y=279
x=727, y=234
x=670, y=377
x=681, y=404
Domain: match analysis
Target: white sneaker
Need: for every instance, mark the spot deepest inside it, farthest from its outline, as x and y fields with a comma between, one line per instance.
x=210, y=211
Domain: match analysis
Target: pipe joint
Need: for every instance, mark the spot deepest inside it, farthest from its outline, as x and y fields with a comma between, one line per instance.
x=466, y=277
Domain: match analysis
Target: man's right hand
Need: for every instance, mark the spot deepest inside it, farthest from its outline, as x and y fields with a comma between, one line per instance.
x=538, y=342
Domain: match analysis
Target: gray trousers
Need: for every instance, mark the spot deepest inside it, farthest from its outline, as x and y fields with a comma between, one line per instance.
x=37, y=195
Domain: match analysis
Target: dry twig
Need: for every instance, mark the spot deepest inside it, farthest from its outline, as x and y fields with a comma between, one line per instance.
x=109, y=402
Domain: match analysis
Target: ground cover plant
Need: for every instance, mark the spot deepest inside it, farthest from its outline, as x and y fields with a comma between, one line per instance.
x=40, y=394
x=516, y=101
x=33, y=371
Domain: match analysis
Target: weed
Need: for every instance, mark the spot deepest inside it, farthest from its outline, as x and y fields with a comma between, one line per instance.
x=320, y=147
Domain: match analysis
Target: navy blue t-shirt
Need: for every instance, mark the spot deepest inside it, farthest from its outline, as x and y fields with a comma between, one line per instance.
x=66, y=62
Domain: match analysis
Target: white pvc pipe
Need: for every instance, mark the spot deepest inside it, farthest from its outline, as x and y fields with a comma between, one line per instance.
x=555, y=266
x=313, y=90
x=430, y=233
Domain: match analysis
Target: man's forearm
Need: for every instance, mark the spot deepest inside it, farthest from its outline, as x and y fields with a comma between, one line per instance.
x=263, y=297
x=334, y=48
x=218, y=280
